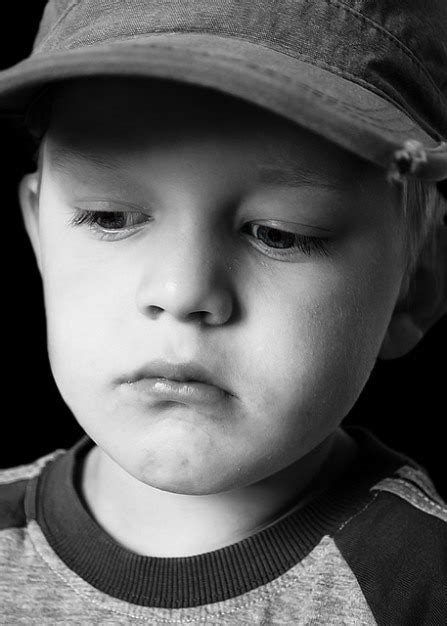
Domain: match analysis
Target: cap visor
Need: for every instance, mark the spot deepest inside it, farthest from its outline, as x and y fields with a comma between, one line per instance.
x=353, y=116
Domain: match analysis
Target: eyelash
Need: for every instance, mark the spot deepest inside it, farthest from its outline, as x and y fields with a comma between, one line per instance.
x=91, y=219
x=303, y=243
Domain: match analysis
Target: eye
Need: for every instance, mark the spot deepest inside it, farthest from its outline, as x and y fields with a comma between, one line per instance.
x=117, y=220
x=273, y=237
x=110, y=224
x=278, y=242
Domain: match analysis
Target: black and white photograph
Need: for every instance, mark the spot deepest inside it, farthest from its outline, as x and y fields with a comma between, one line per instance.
x=225, y=313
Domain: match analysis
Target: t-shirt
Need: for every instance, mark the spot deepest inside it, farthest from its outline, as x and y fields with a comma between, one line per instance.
x=369, y=549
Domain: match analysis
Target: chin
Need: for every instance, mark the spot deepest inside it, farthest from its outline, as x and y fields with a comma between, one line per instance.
x=188, y=480
x=187, y=489
x=184, y=486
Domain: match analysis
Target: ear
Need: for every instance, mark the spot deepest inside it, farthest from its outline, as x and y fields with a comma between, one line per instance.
x=422, y=301
x=28, y=192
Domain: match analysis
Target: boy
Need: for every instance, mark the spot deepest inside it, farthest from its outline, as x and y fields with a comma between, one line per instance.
x=224, y=218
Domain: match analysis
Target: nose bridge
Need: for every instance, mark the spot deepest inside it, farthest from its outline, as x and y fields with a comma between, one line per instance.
x=191, y=262
x=185, y=273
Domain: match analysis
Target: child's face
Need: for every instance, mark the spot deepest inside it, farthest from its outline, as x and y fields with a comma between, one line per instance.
x=177, y=273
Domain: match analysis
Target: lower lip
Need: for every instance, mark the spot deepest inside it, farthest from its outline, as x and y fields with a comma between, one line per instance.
x=165, y=389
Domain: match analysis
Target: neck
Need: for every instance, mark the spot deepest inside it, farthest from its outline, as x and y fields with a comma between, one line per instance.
x=157, y=523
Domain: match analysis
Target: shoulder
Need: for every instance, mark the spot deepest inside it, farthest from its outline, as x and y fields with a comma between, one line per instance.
x=396, y=546
x=13, y=485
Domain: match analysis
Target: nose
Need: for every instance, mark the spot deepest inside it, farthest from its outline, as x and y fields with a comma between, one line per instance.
x=186, y=276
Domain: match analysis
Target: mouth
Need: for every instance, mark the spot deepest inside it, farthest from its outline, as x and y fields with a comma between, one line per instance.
x=186, y=383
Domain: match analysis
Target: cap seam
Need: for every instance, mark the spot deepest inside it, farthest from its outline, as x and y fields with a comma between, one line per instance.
x=392, y=37
x=274, y=72
x=334, y=69
x=352, y=78
x=340, y=105
x=336, y=3
x=60, y=19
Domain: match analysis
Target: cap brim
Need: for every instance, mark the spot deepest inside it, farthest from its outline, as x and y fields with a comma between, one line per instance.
x=332, y=105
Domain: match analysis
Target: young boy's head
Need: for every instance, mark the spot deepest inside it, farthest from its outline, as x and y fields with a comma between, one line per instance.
x=186, y=234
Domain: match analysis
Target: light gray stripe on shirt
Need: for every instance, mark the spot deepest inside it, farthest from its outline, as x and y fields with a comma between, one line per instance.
x=320, y=590
x=21, y=472
x=411, y=494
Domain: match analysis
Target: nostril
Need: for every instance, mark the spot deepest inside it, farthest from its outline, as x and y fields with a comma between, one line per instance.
x=200, y=299
x=197, y=315
x=154, y=311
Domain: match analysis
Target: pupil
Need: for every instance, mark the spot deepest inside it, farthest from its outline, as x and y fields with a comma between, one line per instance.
x=112, y=220
x=275, y=238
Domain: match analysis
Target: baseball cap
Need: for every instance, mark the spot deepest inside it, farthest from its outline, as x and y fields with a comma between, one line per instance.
x=369, y=75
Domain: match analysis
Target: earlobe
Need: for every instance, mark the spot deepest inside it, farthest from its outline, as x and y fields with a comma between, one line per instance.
x=402, y=335
x=28, y=192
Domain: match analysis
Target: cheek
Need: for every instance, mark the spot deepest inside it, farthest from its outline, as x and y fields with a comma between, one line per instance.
x=85, y=301
x=318, y=339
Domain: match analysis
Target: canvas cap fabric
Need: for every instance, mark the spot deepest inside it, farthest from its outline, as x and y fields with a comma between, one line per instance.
x=369, y=75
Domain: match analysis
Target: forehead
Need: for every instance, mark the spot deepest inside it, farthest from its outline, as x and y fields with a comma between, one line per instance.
x=109, y=116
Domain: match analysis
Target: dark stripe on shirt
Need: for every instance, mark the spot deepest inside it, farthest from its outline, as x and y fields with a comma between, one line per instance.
x=398, y=554
x=12, y=511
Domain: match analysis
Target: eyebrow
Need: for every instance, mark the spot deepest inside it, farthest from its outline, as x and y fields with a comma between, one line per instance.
x=298, y=176
x=61, y=158
x=279, y=172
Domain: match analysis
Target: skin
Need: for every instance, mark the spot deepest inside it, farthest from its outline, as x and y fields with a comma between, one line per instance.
x=292, y=334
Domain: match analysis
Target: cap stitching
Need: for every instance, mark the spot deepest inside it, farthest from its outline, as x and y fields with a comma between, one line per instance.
x=392, y=37
x=359, y=16
x=61, y=17
x=301, y=56
x=341, y=105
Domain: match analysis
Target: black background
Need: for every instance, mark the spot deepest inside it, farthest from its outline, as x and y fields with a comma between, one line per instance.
x=403, y=402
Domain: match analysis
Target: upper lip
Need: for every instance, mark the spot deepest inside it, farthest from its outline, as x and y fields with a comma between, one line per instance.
x=182, y=372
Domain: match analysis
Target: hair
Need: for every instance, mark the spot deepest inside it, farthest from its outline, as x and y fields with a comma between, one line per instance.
x=422, y=203
x=425, y=209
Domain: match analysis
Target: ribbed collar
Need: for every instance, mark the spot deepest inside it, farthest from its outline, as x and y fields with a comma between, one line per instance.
x=54, y=502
